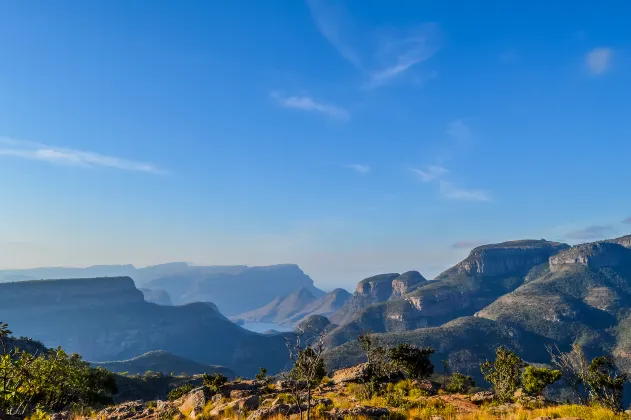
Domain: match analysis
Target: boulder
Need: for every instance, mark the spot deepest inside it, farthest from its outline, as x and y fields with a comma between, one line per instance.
x=131, y=410
x=267, y=412
x=194, y=401
x=355, y=373
x=360, y=411
x=248, y=404
x=426, y=385
x=226, y=389
x=238, y=394
x=324, y=401
x=482, y=397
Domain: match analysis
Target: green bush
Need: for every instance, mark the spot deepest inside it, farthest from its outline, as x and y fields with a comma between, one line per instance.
x=460, y=384
x=535, y=380
x=504, y=373
x=179, y=392
x=413, y=360
x=214, y=381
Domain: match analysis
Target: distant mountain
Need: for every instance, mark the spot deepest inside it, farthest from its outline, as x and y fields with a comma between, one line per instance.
x=280, y=309
x=325, y=306
x=159, y=296
x=243, y=290
x=235, y=289
x=162, y=361
x=295, y=307
x=106, y=319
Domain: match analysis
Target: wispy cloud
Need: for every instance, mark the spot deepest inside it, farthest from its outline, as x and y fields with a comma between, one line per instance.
x=37, y=151
x=360, y=169
x=591, y=232
x=307, y=103
x=627, y=220
x=394, y=51
x=430, y=174
x=598, y=60
x=333, y=24
x=467, y=244
x=459, y=130
x=452, y=192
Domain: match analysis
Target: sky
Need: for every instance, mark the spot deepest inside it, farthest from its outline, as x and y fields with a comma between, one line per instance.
x=349, y=137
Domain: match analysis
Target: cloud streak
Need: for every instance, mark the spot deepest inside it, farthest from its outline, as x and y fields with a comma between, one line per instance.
x=598, y=60
x=591, y=232
x=452, y=192
x=430, y=174
x=459, y=130
x=360, y=169
x=62, y=156
x=306, y=103
x=393, y=51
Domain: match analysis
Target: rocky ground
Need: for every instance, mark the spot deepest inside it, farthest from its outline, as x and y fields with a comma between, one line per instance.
x=340, y=398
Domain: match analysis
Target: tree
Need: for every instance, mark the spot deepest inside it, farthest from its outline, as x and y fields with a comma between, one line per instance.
x=413, y=360
x=262, y=375
x=460, y=384
x=605, y=383
x=307, y=356
x=534, y=379
x=503, y=373
x=574, y=369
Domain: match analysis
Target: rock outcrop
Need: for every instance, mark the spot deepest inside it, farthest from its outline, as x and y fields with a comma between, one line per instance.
x=593, y=255
x=506, y=258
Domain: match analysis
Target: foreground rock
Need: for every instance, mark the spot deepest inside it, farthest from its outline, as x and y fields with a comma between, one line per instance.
x=138, y=410
x=352, y=374
x=360, y=411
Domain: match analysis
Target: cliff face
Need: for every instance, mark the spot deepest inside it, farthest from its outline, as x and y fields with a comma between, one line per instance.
x=40, y=295
x=625, y=241
x=593, y=255
x=508, y=257
x=377, y=289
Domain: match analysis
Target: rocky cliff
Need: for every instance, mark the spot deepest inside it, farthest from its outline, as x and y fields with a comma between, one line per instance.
x=376, y=289
x=594, y=255
x=506, y=258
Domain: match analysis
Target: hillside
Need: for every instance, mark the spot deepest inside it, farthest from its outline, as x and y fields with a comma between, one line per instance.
x=108, y=319
x=489, y=272
x=164, y=362
x=281, y=309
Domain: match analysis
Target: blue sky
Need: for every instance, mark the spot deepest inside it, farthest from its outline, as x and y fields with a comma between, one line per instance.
x=351, y=138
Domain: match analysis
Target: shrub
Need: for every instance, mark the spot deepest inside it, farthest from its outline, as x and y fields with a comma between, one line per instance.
x=413, y=360
x=214, y=381
x=460, y=384
x=359, y=391
x=534, y=379
x=503, y=373
x=261, y=375
x=179, y=392
x=605, y=384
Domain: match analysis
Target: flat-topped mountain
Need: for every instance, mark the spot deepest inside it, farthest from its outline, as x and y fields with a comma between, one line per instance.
x=235, y=289
x=107, y=319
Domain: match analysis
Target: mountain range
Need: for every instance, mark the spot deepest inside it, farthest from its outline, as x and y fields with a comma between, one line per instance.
x=523, y=294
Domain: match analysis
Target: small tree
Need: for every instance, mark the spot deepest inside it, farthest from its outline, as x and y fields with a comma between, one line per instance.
x=460, y=384
x=413, y=360
x=262, y=375
x=574, y=369
x=535, y=380
x=605, y=383
x=307, y=356
x=380, y=367
x=503, y=373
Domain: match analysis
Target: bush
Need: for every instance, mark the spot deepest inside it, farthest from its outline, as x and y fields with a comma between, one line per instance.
x=359, y=391
x=534, y=380
x=503, y=373
x=606, y=385
x=413, y=360
x=214, y=381
x=179, y=392
x=262, y=375
x=460, y=384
